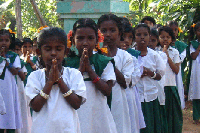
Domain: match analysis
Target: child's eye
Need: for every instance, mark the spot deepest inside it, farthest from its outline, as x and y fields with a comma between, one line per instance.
x=113, y=30
x=91, y=37
x=145, y=34
x=138, y=34
x=79, y=37
x=103, y=31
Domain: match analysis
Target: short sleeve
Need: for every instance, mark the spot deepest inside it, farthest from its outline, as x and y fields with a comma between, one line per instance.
x=192, y=50
x=76, y=82
x=33, y=85
x=127, y=68
x=108, y=73
x=2, y=66
x=17, y=62
x=24, y=69
x=176, y=58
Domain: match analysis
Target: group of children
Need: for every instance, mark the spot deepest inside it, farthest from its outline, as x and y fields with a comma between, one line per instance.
x=132, y=84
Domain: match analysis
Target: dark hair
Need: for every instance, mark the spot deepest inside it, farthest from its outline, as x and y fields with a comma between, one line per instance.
x=141, y=25
x=108, y=17
x=168, y=30
x=170, y=23
x=148, y=18
x=193, y=30
x=51, y=32
x=27, y=40
x=11, y=36
x=154, y=32
x=126, y=27
x=18, y=42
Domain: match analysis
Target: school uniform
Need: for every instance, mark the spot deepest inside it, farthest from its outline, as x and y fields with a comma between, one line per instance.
x=95, y=115
x=8, y=88
x=148, y=92
x=119, y=104
x=56, y=115
x=2, y=71
x=172, y=101
x=194, y=88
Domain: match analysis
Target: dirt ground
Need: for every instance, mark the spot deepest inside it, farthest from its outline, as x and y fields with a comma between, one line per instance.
x=188, y=125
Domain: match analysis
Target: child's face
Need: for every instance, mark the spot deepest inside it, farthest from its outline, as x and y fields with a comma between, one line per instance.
x=153, y=42
x=165, y=39
x=34, y=47
x=18, y=50
x=149, y=23
x=175, y=29
x=27, y=47
x=85, y=38
x=142, y=37
x=111, y=33
x=5, y=41
x=128, y=39
x=52, y=49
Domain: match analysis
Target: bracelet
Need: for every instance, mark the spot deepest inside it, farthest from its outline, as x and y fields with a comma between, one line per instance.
x=154, y=75
x=44, y=95
x=67, y=93
x=96, y=80
x=58, y=80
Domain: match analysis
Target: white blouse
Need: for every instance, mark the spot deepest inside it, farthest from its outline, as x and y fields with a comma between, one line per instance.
x=56, y=115
x=147, y=86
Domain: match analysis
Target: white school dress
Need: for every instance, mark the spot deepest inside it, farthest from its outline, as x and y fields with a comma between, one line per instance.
x=179, y=80
x=25, y=109
x=119, y=104
x=57, y=115
x=2, y=104
x=9, y=91
x=194, y=88
x=134, y=104
x=95, y=115
x=161, y=82
x=147, y=86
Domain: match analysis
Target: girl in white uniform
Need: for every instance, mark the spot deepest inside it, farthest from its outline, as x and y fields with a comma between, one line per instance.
x=55, y=92
x=110, y=27
x=98, y=73
x=2, y=72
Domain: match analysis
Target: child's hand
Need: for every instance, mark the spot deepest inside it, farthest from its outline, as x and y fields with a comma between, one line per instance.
x=3, y=52
x=28, y=57
x=87, y=62
x=54, y=72
x=165, y=47
x=146, y=72
x=82, y=62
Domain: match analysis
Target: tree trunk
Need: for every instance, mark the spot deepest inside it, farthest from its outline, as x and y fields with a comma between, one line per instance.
x=18, y=18
x=37, y=12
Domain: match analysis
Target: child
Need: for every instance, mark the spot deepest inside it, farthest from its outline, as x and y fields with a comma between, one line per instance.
x=194, y=88
x=34, y=53
x=12, y=119
x=26, y=117
x=149, y=21
x=154, y=40
x=172, y=101
x=54, y=92
x=136, y=115
x=181, y=47
x=30, y=61
x=98, y=73
x=153, y=70
x=110, y=27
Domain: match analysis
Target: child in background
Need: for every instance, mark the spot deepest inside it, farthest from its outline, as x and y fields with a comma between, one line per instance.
x=55, y=92
x=26, y=117
x=194, y=88
x=110, y=27
x=181, y=47
x=8, y=87
x=30, y=61
x=153, y=70
x=172, y=101
x=154, y=40
x=98, y=73
x=149, y=21
x=136, y=115
x=34, y=53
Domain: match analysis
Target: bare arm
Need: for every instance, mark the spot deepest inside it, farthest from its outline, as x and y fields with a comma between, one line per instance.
x=22, y=75
x=195, y=54
x=120, y=78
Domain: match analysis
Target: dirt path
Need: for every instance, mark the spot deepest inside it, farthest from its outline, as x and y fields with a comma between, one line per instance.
x=188, y=126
